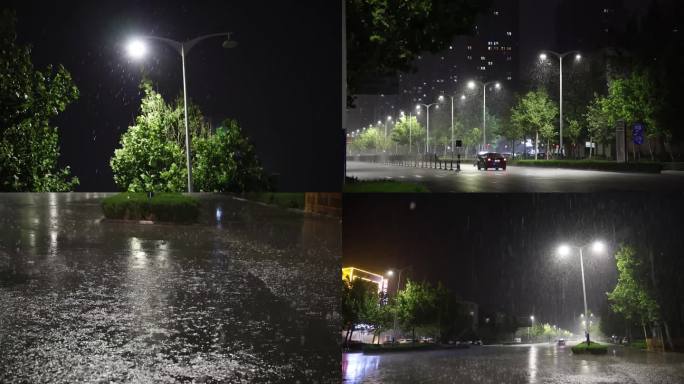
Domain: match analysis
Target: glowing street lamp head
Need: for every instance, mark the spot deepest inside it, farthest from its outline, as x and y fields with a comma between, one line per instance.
x=136, y=48
x=471, y=84
x=389, y=118
x=497, y=85
x=418, y=107
x=598, y=247
x=463, y=97
x=532, y=318
x=564, y=250
x=390, y=272
x=543, y=56
x=441, y=98
x=578, y=57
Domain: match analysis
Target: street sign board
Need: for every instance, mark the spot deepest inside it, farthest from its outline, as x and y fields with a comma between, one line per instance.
x=638, y=130
x=589, y=144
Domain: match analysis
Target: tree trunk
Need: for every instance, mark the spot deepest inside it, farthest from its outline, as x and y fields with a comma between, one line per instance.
x=668, y=337
x=650, y=149
x=643, y=325
x=536, y=144
x=413, y=332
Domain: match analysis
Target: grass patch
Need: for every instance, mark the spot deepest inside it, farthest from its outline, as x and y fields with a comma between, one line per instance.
x=379, y=348
x=639, y=344
x=594, y=165
x=593, y=348
x=283, y=200
x=173, y=207
x=383, y=187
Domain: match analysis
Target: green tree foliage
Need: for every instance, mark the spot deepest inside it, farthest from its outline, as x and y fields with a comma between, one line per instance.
x=152, y=153
x=535, y=114
x=384, y=37
x=632, y=99
x=226, y=162
x=29, y=99
x=632, y=297
x=417, y=306
x=371, y=140
x=151, y=157
x=408, y=130
x=361, y=305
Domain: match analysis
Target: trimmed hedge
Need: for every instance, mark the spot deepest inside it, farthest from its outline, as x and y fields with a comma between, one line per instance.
x=594, y=165
x=383, y=187
x=293, y=200
x=593, y=348
x=161, y=207
x=379, y=348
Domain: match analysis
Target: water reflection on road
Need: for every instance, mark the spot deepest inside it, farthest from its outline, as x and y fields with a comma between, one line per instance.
x=247, y=295
x=541, y=363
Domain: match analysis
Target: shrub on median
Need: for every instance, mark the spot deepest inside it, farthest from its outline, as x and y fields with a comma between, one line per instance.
x=594, y=165
x=161, y=207
x=375, y=348
x=593, y=348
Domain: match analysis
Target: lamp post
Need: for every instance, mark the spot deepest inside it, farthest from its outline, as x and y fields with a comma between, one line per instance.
x=529, y=331
x=564, y=250
x=472, y=85
x=427, y=132
x=391, y=273
x=137, y=49
x=463, y=97
x=543, y=56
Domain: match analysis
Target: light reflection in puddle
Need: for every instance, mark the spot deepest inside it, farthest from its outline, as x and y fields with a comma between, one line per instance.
x=356, y=366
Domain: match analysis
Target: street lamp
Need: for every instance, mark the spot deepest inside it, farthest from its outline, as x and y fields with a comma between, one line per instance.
x=472, y=84
x=596, y=247
x=389, y=120
x=463, y=97
x=529, y=330
x=390, y=273
x=137, y=49
x=427, y=132
x=543, y=56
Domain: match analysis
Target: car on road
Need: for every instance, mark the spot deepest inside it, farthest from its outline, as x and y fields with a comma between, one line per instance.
x=487, y=160
x=561, y=342
x=405, y=341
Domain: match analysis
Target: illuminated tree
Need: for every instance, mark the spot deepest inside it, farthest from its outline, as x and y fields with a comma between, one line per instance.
x=29, y=100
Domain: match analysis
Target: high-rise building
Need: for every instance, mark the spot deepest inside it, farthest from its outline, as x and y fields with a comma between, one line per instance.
x=490, y=53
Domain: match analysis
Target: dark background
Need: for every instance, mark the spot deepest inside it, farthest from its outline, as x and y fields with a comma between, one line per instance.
x=500, y=250
x=282, y=82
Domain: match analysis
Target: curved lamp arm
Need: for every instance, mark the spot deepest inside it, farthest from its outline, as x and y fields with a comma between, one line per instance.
x=185, y=46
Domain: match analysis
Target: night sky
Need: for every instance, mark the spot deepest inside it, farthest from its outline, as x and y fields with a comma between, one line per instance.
x=282, y=82
x=500, y=250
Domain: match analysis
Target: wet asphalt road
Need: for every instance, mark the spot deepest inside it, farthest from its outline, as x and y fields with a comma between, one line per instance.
x=520, y=179
x=539, y=363
x=249, y=294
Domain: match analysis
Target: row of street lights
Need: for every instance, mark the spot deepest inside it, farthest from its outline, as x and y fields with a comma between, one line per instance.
x=563, y=251
x=473, y=84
